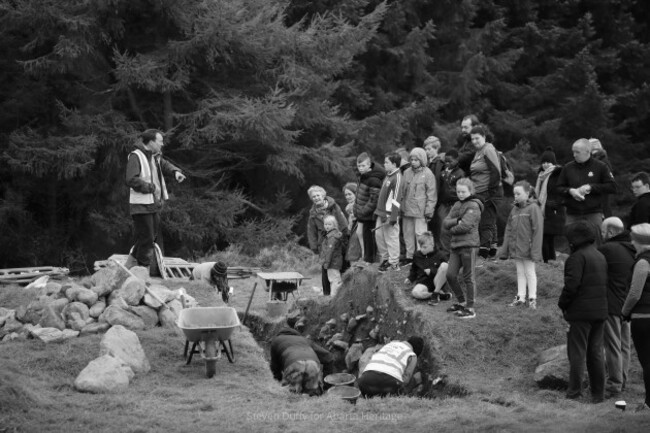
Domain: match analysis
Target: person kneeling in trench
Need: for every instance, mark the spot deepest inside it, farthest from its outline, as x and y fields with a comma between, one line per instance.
x=390, y=370
x=216, y=275
x=299, y=362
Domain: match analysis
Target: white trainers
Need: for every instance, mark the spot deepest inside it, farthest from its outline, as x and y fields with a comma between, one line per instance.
x=532, y=304
x=517, y=302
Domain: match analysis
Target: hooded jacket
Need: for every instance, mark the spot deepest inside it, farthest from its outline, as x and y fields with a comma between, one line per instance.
x=331, y=250
x=422, y=261
x=135, y=181
x=591, y=172
x=584, y=295
x=315, y=228
x=420, y=189
x=522, y=239
x=462, y=221
x=288, y=346
x=368, y=187
x=619, y=253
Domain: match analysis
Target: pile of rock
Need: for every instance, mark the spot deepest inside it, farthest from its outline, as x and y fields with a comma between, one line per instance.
x=109, y=297
x=120, y=357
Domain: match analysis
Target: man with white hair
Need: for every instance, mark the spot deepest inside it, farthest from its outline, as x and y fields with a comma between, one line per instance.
x=619, y=254
x=584, y=182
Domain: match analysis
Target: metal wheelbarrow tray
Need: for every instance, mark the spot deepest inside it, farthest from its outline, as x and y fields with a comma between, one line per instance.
x=208, y=327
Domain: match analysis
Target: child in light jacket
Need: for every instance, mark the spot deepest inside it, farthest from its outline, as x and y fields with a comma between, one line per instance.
x=522, y=242
x=331, y=254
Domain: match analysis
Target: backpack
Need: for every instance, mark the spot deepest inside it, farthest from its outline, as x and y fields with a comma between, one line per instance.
x=507, y=175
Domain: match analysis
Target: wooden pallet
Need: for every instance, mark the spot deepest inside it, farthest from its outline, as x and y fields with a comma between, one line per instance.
x=27, y=275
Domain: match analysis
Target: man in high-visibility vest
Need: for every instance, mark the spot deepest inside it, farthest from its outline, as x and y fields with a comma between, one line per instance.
x=144, y=176
x=390, y=370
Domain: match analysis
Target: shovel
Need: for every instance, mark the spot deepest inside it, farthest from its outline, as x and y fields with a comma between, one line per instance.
x=146, y=284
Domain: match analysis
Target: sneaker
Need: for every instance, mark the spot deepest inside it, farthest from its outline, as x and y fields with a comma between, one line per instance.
x=394, y=268
x=384, y=266
x=532, y=304
x=434, y=301
x=445, y=296
x=517, y=302
x=466, y=313
x=455, y=308
x=405, y=262
x=492, y=254
x=483, y=253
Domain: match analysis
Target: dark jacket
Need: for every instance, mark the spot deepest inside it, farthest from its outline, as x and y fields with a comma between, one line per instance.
x=640, y=212
x=448, y=179
x=642, y=305
x=431, y=261
x=437, y=166
x=133, y=180
x=522, y=239
x=554, y=211
x=289, y=346
x=462, y=221
x=331, y=250
x=391, y=189
x=368, y=187
x=584, y=295
x=315, y=228
x=601, y=155
x=466, y=151
x=592, y=172
x=619, y=253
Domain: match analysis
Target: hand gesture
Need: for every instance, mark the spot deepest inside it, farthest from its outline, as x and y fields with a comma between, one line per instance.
x=576, y=194
x=427, y=271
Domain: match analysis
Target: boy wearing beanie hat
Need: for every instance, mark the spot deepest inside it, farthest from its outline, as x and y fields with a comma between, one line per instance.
x=418, y=200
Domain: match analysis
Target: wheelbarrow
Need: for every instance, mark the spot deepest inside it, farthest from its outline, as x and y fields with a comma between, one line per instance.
x=209, y=329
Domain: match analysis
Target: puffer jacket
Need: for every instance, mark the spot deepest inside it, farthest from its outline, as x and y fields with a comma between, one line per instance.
x=584, y=295
x=331, y=250
x=524, y=232
x=420, y=190
x=368, y=187
x=462, y=221
x=315, y=228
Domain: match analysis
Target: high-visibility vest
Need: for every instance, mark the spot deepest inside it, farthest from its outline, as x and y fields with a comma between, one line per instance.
x=145, y=174
x=391, y=359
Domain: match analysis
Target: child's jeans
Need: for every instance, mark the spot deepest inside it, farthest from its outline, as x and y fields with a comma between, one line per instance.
x=526, y=276
x=462, y=258
x=334, y=277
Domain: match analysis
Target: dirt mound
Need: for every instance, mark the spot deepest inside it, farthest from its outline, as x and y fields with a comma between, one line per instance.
x=15, y=394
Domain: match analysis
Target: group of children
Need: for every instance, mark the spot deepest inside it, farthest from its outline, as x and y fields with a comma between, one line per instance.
x=431, y=272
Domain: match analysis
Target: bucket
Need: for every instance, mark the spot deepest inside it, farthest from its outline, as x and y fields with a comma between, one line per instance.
x=277, y=308
x=347, y=393
x=340, y=379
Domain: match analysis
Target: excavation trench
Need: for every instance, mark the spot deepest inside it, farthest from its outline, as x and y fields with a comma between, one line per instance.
x=379, y=312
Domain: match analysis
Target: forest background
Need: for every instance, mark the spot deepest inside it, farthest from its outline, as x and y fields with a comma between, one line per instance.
x=261, y=98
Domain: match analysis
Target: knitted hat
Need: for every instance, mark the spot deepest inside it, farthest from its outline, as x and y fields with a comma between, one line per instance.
x=220, y=269
x=421, y=155
x=350, y=186
x=641, y=233
x=548, y=156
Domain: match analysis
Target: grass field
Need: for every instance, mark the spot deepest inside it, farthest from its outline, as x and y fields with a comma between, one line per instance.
x=492, y=356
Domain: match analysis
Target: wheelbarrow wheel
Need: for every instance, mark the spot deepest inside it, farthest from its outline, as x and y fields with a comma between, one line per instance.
x=227, y=347
x=210, y=358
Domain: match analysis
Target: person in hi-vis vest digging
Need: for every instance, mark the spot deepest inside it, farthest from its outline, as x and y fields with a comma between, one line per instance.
x=144, y=176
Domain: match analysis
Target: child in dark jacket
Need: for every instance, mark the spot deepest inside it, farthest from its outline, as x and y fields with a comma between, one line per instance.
x=331, y=254
x=462, y=222
x=428, y=271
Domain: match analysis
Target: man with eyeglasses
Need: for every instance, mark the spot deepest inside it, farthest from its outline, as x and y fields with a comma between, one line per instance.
x=640, y=212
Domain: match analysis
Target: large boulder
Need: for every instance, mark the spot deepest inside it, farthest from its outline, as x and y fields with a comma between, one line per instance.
x=105, y=374
x=51, y=317
x=11, y=324
x=175, y=306
x=115, y=315
x=98, y=308
x=94, y=328
x=53, y=335
x=553, y=368
x=132, y=290
x=147, y=314
x=52, y=289
x=125, y=345
x=141, y=272
x=167, y=318
x=107, y=279
x=162, y=292
x=4, y=315
x=32, y=312
x=74, y=313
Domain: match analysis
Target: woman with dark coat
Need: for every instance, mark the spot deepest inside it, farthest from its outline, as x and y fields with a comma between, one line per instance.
x=550, y=202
